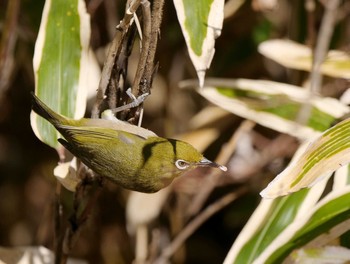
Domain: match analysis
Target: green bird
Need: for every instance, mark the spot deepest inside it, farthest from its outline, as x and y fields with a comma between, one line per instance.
x=133, y=157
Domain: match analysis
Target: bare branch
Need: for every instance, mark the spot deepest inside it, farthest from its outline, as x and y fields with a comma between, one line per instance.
x=321, y=49
x=114, y=57
x=157, y=15
x=323, y=40
x=192, y=226
x=222, y=158
x=146, y=37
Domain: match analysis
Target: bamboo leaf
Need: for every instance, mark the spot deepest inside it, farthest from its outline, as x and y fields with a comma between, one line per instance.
x=274, y=105
x=297, y=56
x=327, y=153
x=60, y=63
x=201, y=23
x=282, y=225
x=269, y=220
x=333, y=254
x=327, y=214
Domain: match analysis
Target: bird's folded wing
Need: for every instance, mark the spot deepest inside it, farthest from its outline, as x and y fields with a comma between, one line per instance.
x=91, y=134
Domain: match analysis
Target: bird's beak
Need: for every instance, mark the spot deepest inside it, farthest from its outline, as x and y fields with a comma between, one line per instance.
x=207, y=163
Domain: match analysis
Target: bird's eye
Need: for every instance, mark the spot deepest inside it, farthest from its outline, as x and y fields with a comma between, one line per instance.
x=181, y=164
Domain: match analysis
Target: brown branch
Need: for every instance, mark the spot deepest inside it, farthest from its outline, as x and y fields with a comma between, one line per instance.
x=112, y=84
x=323, y=40
x=112, y=90
x=58, y=212
x=114, y=56
x=113, y=52
x=157, y=15
x=116, y=87
x=129, y=13
x=146, y=68
x=213, y=177
x=146, y=37
x=321, y=49
x=58, y=235
x=85, y=197
x=192, y=226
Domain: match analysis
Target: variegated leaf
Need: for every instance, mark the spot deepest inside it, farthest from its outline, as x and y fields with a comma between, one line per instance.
x=323, y=155
x=325, y=255
x=60, y=63
x=274, y=105
x=268, y=221
x=201, y=23
x=297, y=56
x=329, y=213
x=285, y=224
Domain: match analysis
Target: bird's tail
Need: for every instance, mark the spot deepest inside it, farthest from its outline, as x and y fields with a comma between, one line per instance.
x=46, y=112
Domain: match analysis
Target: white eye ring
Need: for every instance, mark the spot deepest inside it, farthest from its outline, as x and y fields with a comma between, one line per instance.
x=181, y=164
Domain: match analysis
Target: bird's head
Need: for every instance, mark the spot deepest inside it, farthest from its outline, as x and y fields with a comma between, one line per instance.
x=170, y=158
x=186, y=157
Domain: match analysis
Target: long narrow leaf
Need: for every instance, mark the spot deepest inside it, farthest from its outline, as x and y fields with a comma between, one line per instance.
x=331, y=211
x=269, y=220
x=324, y=155
x=201, y=23
x=60, y=63
x=274, y=105
x=297, y=56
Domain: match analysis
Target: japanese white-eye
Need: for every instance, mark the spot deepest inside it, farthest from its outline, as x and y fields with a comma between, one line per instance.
x=131, y=156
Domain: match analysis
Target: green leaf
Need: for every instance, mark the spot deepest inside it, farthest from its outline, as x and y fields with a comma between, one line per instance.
x=60, y=73
x=322, y=156
x=274, y=105
x=329, y=212
x=281, y=213
x=282, y=225
x=201, y=23
x=269, y=221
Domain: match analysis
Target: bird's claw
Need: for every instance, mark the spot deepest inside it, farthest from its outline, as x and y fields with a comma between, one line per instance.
x=136, y=101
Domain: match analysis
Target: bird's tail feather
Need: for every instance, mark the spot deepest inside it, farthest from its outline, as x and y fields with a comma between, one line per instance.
x=46, y=112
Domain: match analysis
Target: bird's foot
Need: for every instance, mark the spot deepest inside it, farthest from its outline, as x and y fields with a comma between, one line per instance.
x=136, y=102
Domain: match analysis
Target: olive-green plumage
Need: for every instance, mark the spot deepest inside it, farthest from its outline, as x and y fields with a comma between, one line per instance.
x=138, y=161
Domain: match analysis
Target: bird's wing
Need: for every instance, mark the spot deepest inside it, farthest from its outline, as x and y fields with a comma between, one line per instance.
x=118, y=125
x=92, y=134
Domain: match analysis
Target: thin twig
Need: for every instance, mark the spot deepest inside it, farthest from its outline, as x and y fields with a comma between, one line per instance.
x=58, y=220
x=157, y=15
x=129, y=13
x=146, y=68
x=323, y=40
x=222, y=158
x=117, y=85
x=112, y=91
x=141, y=247
x=146, y=36
x=192, y=226
x=58, y=236
x=322, y=44
x=85, y=198
x=113, y=51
